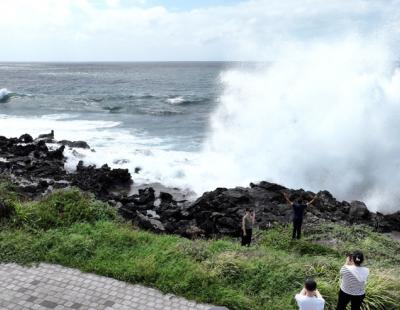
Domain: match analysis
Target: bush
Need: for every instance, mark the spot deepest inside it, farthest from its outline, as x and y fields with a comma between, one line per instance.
x=8, y=191
x=61, y=209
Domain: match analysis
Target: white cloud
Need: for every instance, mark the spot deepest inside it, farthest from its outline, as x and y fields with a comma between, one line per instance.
x=107, y=30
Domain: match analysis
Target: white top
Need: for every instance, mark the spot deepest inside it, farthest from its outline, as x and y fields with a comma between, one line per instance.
x=354, y=279
x=309, y=303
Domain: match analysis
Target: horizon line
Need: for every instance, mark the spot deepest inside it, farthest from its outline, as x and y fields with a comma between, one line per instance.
x=121, y=61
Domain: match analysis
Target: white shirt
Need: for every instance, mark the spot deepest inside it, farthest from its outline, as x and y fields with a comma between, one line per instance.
x=354, y=279
x=309, y=303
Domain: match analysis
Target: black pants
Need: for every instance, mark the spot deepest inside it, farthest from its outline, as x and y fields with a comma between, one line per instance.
x=246, y=240
x=344, y=299
x=297, y=228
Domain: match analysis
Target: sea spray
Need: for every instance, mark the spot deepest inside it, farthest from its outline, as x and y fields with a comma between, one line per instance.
x=321, y=117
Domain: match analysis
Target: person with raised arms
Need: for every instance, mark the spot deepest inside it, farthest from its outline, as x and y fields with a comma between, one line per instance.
x=298, y=213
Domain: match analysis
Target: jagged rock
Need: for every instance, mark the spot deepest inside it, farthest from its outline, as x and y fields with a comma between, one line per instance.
x=34, y=167
x=146, y=196
x=358, y=211
x=25, y=138
x=166, y=197
x=76, y=144
x=101, y=181
x=194, y=232
x=145, y=222
x=36, y=170
x=57, y=154
x=47, y=136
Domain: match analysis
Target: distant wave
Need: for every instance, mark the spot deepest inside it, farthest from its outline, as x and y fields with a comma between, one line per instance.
x=114, y=109
x=5, y=95
x=180, y=100
x=132, y=99
x=176, y=100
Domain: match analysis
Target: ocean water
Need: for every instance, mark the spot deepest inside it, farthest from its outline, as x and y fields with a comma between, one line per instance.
x=149, y=115
x=327, y=119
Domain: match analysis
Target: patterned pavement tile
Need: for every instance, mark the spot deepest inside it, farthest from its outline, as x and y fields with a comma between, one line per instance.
x=48, y=286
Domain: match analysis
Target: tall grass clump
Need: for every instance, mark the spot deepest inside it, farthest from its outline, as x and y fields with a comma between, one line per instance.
x=61, y=208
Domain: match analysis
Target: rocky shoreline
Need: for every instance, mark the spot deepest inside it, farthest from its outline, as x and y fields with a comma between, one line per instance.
x=36, y=167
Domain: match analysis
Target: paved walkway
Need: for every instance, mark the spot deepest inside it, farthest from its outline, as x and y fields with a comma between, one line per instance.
x=55, y=287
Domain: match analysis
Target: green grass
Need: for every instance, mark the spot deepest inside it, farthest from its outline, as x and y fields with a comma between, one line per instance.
x=86, y=235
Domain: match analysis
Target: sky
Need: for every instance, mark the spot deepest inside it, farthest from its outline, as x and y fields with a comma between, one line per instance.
x=153, y=30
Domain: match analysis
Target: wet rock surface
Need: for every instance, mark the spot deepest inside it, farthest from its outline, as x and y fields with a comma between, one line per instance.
x=37, y=168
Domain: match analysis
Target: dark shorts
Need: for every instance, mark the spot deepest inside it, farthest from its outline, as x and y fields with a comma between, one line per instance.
x=246, y=239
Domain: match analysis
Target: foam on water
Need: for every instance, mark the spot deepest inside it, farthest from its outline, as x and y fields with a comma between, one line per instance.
x=119, y=148
x=176, y=100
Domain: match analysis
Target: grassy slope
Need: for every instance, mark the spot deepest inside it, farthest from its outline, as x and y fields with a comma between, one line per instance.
x=72, y=229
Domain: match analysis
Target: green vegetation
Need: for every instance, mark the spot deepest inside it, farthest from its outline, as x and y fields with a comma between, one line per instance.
x=72, y=229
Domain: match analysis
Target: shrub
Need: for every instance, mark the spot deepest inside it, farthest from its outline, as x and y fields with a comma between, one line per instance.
x=61, y=209
x=8, y=191
x=382, y=292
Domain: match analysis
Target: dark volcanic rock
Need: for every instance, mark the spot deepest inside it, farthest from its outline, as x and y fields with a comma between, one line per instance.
x=145, y=222
x=101, y=181
x=57, y=154
x=36, y=170
x=25, y=138
x=47, y=136
x=358, y=211
x=219, y=212
x=75, y=144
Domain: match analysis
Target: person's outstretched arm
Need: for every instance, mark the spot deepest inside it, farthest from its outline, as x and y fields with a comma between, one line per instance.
x=312, y=200
x=287, y=198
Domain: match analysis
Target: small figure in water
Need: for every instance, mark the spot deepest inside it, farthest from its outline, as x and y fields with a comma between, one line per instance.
x=310, y=298
x=298, y=213
x=247, y=226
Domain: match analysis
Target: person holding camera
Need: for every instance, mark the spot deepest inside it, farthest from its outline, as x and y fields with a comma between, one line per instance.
x=309, y=297
x=353, y=280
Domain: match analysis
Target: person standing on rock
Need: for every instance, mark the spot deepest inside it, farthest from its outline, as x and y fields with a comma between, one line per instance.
x=247, y=226
x=309, y=297
x=298, y=213
x=352, y=284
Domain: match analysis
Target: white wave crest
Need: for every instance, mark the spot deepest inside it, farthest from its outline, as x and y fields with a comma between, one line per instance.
x=4, y=94
x=176, y=100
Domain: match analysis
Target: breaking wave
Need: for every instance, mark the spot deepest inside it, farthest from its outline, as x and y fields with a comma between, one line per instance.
x=5, y=95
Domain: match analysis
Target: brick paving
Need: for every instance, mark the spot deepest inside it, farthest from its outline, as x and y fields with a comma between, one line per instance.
x=54, y=287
